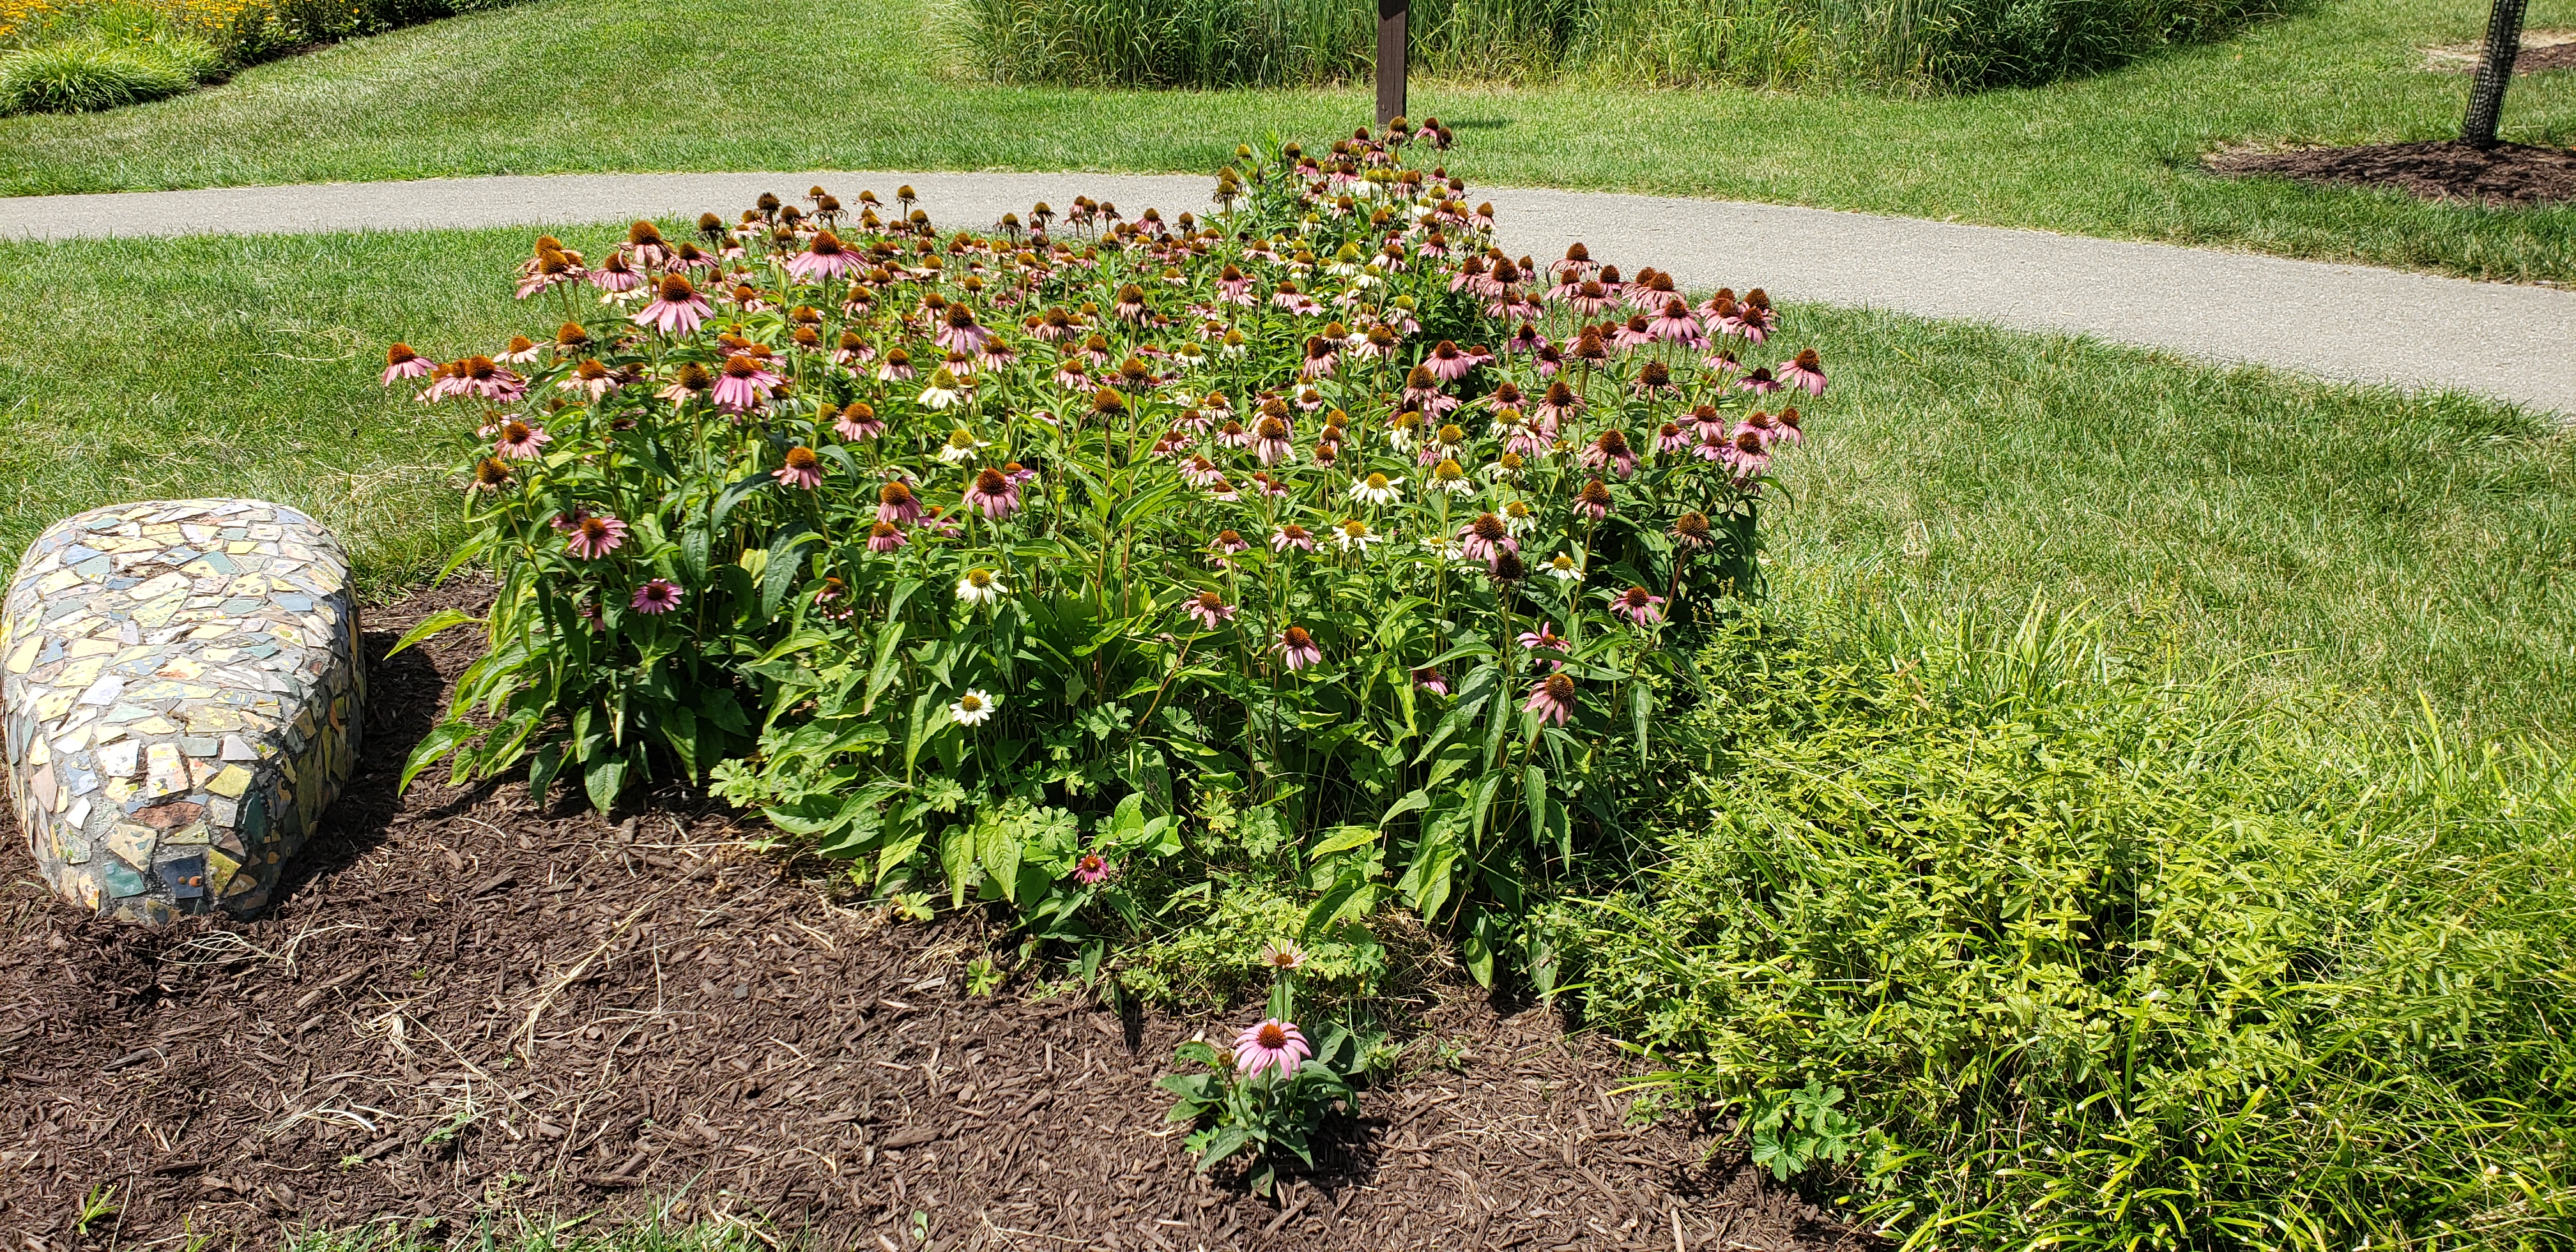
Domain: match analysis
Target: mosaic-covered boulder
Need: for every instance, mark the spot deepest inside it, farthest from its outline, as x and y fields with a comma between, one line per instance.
x=182, y=694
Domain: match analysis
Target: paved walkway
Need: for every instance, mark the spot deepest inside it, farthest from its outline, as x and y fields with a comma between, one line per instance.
x=2346, y=322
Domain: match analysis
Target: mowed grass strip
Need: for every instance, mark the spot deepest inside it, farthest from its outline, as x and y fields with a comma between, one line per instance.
x=592, y=85
x=2296, y=531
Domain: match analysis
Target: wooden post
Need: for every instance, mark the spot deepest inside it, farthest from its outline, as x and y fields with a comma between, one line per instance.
x=2486, y=97
x=1391, y=46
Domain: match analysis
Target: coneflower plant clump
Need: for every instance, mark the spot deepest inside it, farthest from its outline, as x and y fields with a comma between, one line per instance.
x=1037, y=558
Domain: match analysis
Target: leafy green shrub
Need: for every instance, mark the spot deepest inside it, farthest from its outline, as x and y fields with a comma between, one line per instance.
x=2104, y=960
x=1339, y=540
x=1905, y=44
x=91, y=72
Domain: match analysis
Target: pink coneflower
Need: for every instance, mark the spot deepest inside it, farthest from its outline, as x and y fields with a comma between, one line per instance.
x=657, y=596
x=1693, y=531
x=993, y=494
x=897, y=505
x=520, y=441
x=615, y=276
x=1559, y=404
x=483, y=377
x=959, y=331
x=677, y=308
x=1671, y=438
x=1578, y=261
x=1543, y=637
x=1234, y=287
x=858, y=421
x=1431, y=681
x=1676, y=325
x=1640, y=606
x=1589, y=297
x=1090, y=869
x=1789, y=430
x=1229, y=542
x=1209, y=608
x=1759, y=382
x=1296, y=648
x=591, y=379
x=1198, y=471
x=1749, y=455
x=1632, y=334
x=549, y=269
x=402, y=362
x=1273, y=1045
x=743, y=384
x=803, y=469
x=1233, y=435
x=824, y=259
x=1270, y=441
x=595, y=535
x=1486, y=538
x=1323, y=356
x=896, y=367
x=1447, y=363
x=885, y=537
x=1611, y=451
x=1552, y=698
x=1593, y=500
x=1292, y=535
x=1805, y=371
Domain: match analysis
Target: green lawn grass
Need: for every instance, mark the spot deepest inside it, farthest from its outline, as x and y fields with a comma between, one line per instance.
x=564, y=85
x=2302, y=531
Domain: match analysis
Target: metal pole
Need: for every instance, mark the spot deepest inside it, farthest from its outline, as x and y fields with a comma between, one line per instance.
x=2486, y=98
x=1391, y=46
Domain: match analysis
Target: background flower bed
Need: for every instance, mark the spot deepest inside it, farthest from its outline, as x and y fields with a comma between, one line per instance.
x=78, y=55
x=1906, y=45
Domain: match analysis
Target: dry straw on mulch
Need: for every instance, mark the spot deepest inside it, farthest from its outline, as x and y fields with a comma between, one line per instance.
x=468, y=1008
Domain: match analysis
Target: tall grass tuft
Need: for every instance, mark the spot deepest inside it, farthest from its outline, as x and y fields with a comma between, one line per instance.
x=2106, y=958
x=1899, y=44
x=91, y=72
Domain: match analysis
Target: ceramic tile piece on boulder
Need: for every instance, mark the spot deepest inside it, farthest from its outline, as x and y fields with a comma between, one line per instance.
x=159, y=717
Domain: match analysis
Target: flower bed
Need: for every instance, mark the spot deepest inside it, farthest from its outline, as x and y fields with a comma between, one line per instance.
x=1099, y=563
x=70, y=55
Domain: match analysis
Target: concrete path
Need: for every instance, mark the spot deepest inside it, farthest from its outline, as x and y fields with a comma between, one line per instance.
x=2346, y=322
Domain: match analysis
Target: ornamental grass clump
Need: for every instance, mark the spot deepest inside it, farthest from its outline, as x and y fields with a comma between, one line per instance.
x=950, y=549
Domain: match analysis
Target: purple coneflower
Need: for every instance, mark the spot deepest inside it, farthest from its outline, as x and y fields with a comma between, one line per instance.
x=595, y=535
x=1640, y=606
x=896, y=366
x=1693, y=531
x=1229, y=542
x=615, y=276
x=897, y=505
x=1429, y=679
x=803, y=469
x=1749, y=455
x=824, y=259
x=402, y=362
x=519, y=441
x=1090, y=869
x=959, y=331
x=1805, y=371
x=1270, y=441
x=1272, y=1045
x=1543, y=637
x=885, y=537
x=1486, y=539
x=1447, y=363
x=677, y=309
x=743, y=384
x=1759, y=382
x=656, y=596
x=1611, y=451
x=1593, y=500
x=1552, y=698
x=858, y=421
x=1209, y=608
x=1296, y=648
x=993, y=494
x=1292, y=535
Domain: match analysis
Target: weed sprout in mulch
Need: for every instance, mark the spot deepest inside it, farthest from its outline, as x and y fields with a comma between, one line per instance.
x=1094, y=565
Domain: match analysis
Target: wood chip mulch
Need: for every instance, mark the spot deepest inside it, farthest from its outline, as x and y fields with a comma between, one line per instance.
x=2509, y=175
x=468, y=1014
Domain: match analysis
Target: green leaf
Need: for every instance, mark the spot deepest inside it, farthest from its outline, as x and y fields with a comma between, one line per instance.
x=957, y=859
x=603, y=775
x=1345, y=839
x=440, y=741
x=444, y=619
x=785, y=566
x=1640, y=702
x=1330, y=906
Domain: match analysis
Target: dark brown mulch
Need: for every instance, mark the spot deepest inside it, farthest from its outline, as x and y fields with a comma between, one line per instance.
x=468, y=1011
x=2509, y=175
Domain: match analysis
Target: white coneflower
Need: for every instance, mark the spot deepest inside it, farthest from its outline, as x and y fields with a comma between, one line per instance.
x=973, y=708
x=1354, y=533
x=944, y=389
x=1506, y=468
x=961, y=447
x=1563, y=569
x=1448, y=476
x=1520, y=517
x=1377, y=489
x=979, y=586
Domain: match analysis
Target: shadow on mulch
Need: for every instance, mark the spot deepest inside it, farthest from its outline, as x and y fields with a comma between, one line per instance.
x=2509, y=175
x=468, y=1010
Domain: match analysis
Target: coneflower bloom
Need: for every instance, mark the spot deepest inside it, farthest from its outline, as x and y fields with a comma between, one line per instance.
x=490, y=474
x=1296, y=648
x=1272, y=1046
x=1431, y=680
x=959, y=331
x=1563, y=568
x=824, y=259
x=1323, y=356
x=402, y=362
x=1451, y=477
x=482, y=376
x=858, y=421
x=1447, y=363
x=1759, y=381
x=1640, y=606
x=1519, y=518
x=896, y=367
x=657, y=596
x=1552, y=698
x=1090, y=869
x=897, y=504
x=1749, y=455
x=1485, y=538
x=1671, y=438
x=1593, y=500
x=1354, y=533
x=615, y=276
x=1282, y=955
x=1789, y=430
x=885, y=537
x=1560, y=403
x=979, y=586
x=993, y=494
x=1693, y=531
x=595, y=535
x=1377, y=489
x=1229, y=542
x=1271, y=441
x=519, y=441
x=743, y=384
x=676, y=309
x=550, y=268
x=1676, y=325
x=803, y=469
x=1209, y=608
x=1805, y=371
x=1545, y=636
x=1292, y=535
x=1611, y=451
x=1233, y=435
x=972, y=708
x=942, y=391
